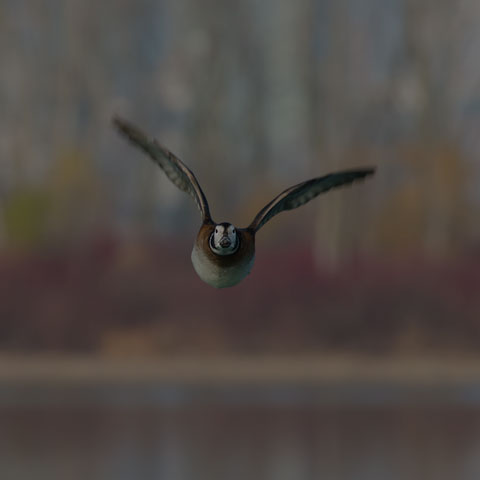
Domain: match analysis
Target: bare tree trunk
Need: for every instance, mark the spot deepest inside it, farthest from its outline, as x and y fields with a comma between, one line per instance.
x=333, y=79
x=432, y=39
x=287, y=95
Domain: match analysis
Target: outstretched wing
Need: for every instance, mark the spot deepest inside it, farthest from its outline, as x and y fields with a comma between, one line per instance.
x=302, y=193
x=173, y=167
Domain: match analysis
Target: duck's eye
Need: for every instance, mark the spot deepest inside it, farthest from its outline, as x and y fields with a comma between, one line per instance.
x=216, y=230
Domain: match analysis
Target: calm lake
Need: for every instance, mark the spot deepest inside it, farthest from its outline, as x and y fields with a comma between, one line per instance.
x=281, y=432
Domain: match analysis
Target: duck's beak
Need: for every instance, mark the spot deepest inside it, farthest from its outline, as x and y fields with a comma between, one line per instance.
x=225, y=242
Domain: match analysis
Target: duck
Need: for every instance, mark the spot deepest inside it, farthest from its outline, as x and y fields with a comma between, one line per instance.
x=223, y=255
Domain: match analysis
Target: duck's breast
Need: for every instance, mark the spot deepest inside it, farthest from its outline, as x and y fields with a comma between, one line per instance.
x=223, y=271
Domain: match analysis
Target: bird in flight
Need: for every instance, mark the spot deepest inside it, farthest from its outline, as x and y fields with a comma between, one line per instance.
x=223, y=255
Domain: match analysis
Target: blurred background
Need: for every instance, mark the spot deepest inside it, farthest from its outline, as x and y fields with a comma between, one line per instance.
x=352, y=349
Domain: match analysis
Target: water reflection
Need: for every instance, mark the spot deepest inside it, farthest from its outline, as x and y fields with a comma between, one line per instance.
x=216, y=440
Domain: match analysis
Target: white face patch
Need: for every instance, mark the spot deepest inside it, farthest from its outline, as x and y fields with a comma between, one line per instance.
x=224, y=239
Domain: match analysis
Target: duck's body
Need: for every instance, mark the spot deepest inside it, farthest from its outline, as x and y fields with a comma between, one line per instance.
x=222, y=271
x=222, y=254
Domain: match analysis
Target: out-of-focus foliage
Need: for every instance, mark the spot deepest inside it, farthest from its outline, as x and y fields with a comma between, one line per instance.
x=254, y=97
x=434, y=214
x=145, y=299
x=77, y=199
x=66, y=208
x=25, y=217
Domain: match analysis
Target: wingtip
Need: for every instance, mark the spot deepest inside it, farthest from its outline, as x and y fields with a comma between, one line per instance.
x=360, y=172
x=128, y=130
x=119, y=123
x=365, y=171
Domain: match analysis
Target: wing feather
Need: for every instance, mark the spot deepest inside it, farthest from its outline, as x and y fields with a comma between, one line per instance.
x=179, y=174
x=302, y=193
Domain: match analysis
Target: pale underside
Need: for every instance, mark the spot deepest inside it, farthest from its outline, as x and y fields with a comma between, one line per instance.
x=218, y=276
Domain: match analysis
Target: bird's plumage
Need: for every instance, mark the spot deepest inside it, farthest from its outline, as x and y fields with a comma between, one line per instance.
x=225, y=269
x=173, y=167
x=302, y=193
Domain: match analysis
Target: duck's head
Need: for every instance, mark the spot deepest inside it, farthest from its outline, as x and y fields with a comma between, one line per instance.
x=224, y=239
